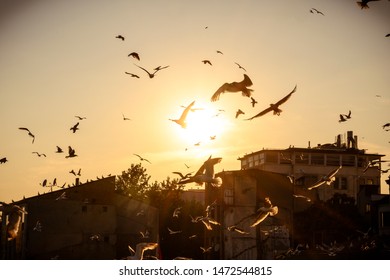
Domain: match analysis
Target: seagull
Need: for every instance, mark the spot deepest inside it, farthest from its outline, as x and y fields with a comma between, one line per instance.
x=141, y=158
x=342, y=118
x=71, y=152
x=125, y=118
x=174, y=231
x=205, y=250
x=302, y=196
x=363, y=4
x=219, y=52
x=38, y=154
x=237, y=229
x=317, y=11
x=132, y=75
x=182, y=120
x=176, y=212
x=207, y=62
x=253, y=102
x=151, y=75
x=3, y=160
x=327, y=179
x=135, y=55
x=239, y=112
x=59, y=150
x=120, y=37
x=240, y=67
x=234, y=87
x=73, y=172
x=205, y=174
x=38, y=226
x=75, y=127
x=43, y=184
x=80, y=118
x=140, y=249
x=29, y=133
x=263, y=212
x=182, y=177
x=144, y=234
x=275, y=107
x=386, y=125
x=14, y=213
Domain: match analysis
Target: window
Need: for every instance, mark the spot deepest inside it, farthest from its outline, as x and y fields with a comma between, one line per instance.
x=333, y=160
x=348, y=160
x=271, y=157
x=385, y=219
x=285, y=158
x=317, y=159
x=302, y=158
x=340, y=183
x=229, y=197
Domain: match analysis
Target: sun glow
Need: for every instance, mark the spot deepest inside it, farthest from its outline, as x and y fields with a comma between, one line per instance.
x=205, y=125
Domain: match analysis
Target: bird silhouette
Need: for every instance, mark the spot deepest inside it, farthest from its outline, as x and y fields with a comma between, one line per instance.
x=317, y=11
x=182, y=120
x=3, y=160
x=151, y=75
x=71, y=152
x=237, y=229
x=219, y=52
x=182, y=177
x=275, y=107
x=120, y=37
x=75, y=127
x=173, y=231
x=132, y=75
x=207, y=62
x=205, y=174
x=234, y=87
x=125, y=118
x=80, y=118
x=342, y=118
x=38, y=154
x=363, y=4
x=135, y=55
x=386, y=125
x=29, y=133
x=59, y=150
x=239, y=112
x=176, y=212
x=263, y=212
x=240, y=67
x=141, y=158
x=253, y=102
x=326, y=179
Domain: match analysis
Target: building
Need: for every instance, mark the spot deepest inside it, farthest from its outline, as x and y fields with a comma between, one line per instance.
x=236, y=203
x=86, y=221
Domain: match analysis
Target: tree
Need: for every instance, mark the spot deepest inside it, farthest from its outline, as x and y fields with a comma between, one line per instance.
x=134, y=182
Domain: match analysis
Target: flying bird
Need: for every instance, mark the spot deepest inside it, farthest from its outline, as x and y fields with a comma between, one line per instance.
x=135, y=55
x=317, y=11
x=386, y=125
x=120, y=37
x=253, y=102
x=344, y=117
x=263, y=212
x=125, y=118
x=141, y=158
x=140, y=249
x=75, y=127
x=219, y=52
x=3, y=160
x=132, y=75
x=80, y=118
x=71, y=152
x=239, y=112
x=207, y=62
x=182, y=120
x=182, y=177
x=151, y=75
x=29, y=133
x=174, y=231
x=326, y=179
x=240, y=67
x=237, y=229
x=363, y=4
x=205, y=174
x=38, y=154
x=234, y=87
x=275, y=107
x=176, y=212
x=59, y=150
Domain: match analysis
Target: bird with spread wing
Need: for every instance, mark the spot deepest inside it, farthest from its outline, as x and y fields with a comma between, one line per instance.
x=235, y=87
x=275, y=107
x=326, y=179
x=182, y=120
x=263, y=212
x=205, y=174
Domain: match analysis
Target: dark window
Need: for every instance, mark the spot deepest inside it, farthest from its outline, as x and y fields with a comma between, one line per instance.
x=333, y=160
x=385, y=219
x=348, y=160
x=271, y=157
x=317, y=159
x=340, y=183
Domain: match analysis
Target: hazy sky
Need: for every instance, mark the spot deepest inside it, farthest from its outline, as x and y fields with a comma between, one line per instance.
x=59, y=59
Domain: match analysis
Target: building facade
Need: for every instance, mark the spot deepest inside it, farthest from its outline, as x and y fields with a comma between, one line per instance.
x=86, y=221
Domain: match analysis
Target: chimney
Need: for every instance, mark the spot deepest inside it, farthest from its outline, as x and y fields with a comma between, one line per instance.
x=350, y=140
x=77, y=181
x=338, y=141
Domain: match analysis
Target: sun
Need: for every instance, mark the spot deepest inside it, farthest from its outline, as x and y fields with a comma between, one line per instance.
x=205, y=125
